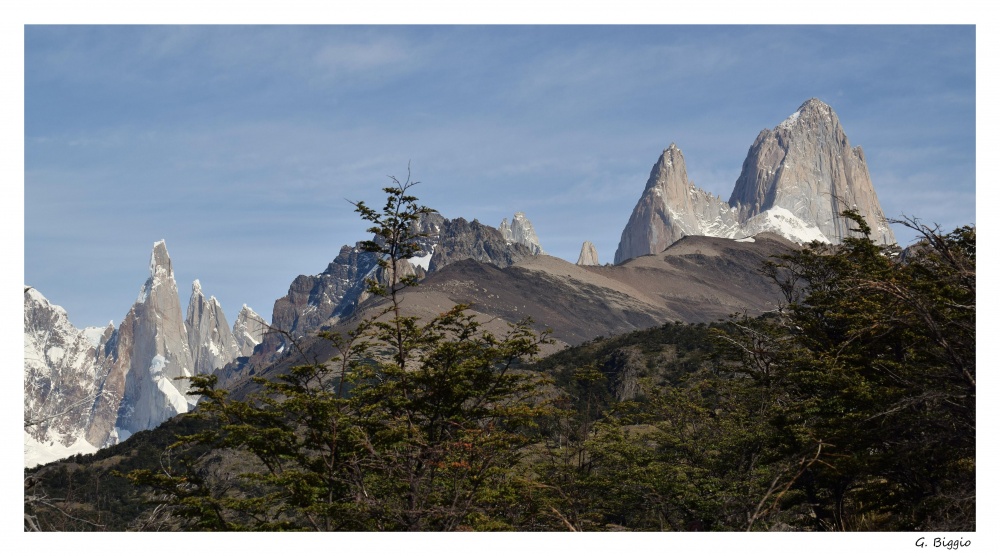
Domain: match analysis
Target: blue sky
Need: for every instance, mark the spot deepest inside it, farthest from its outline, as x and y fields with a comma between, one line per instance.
x=240, y=146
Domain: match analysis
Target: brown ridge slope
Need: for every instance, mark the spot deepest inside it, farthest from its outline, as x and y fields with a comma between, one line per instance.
x=697, y=279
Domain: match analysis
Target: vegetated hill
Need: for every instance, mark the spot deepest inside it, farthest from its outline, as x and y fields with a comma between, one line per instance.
x=91, y=493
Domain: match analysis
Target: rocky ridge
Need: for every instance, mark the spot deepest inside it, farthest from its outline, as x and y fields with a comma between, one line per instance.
x=60, y=368
x=211, y=341
x=697, y=279
x=323, y=300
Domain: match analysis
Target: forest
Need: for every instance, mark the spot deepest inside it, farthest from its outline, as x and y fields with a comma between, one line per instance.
x=850, y=408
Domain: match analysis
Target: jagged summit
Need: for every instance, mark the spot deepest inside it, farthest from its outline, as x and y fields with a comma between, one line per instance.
x=59, y=390
x=160, y=259
x=335, y=294
x=248, y=330
x=209, y=338
x=796, y=181
x=670, y=208
x=812, y=108
x=161, y=272
x=807, y=166
x=106, y=384
x=521, y=231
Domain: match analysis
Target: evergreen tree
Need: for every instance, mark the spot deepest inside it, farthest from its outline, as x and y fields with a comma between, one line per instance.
x=871, y=369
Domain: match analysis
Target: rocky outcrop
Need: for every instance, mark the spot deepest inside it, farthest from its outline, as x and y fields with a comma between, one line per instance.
x=521, y=231
x=209, y=338
x=624, y=369
x=807, y=166
x=248, y=330
x=312, y=300
x=588, y=255
x=336, y=292
x=796, y=180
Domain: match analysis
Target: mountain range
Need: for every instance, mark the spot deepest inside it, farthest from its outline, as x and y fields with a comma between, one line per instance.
x=796, y=181
x=685, y=255
x=87, y=389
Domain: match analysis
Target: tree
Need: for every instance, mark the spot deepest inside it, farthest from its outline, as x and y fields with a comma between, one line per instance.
x=411, y=426
x=870, y=374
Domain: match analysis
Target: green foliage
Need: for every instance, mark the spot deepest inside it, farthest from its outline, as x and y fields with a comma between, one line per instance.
x=872, y=366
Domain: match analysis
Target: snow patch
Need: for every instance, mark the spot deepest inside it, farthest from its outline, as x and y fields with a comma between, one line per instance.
x=790, y=121
x=174, y=397
x=424, y=261
x=36, y=452
x=93, y=334
x=122, y=434
x=55, y=354
x=781, y=221
x=144, y=292
x=157, y=364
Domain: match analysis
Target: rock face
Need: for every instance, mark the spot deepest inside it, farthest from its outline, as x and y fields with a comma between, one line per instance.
x=149, y=351
x=807, y=166
x=459, y=239
x=248, y=330
x=336, y=292
x=588, y=255
x=211, y=341
x=796, y=180
x=521, y=231
x=311, y=300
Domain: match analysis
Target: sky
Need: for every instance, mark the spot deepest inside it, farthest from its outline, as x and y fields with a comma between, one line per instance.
x=241, y=146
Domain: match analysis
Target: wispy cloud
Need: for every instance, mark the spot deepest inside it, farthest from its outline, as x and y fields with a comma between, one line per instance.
x=242, y=142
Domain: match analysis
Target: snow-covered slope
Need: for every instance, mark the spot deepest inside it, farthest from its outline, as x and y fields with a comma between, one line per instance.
x=781, y=221
x=60, y=381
